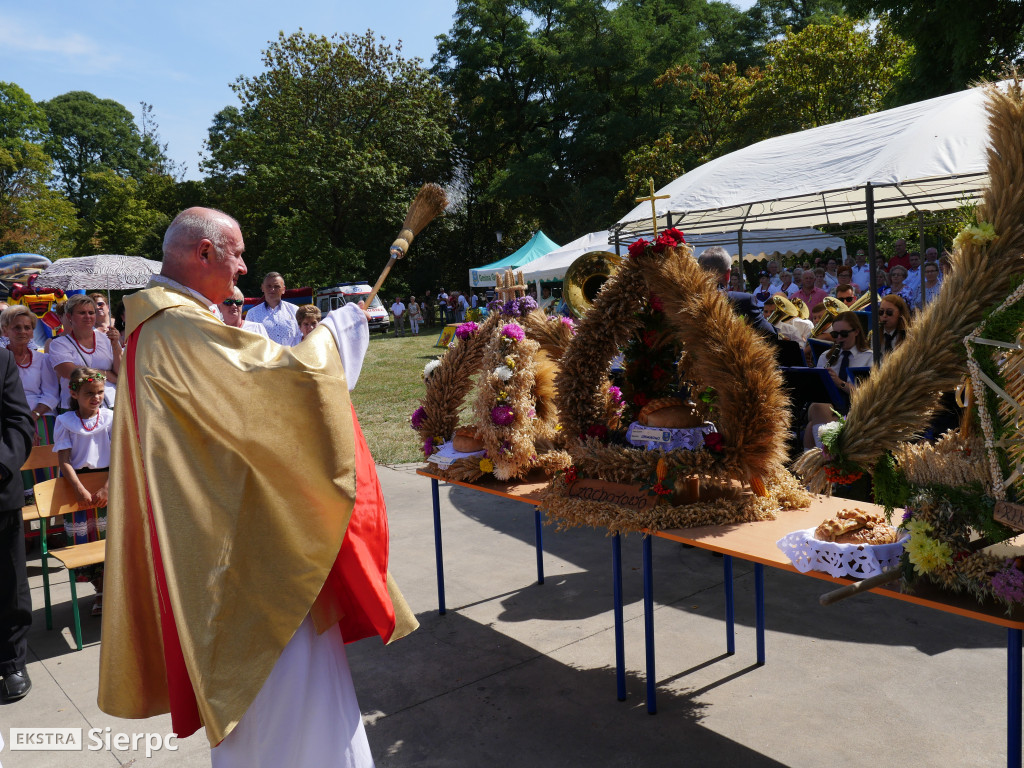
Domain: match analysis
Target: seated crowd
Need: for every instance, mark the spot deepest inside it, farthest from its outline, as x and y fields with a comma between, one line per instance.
x=906, y=285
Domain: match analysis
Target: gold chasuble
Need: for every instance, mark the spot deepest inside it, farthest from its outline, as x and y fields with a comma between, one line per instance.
x=244, y=456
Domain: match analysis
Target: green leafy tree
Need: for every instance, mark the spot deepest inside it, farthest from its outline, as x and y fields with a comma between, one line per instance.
x=955, y=42
x=122, y=221
x=86, y=135
x=326, y=149
x=33, y=217
x=826, y=73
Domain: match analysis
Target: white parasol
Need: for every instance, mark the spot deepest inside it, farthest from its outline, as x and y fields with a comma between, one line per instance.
x=105, y=272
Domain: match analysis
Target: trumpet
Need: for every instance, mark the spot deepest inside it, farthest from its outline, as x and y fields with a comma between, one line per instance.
x=833, y=308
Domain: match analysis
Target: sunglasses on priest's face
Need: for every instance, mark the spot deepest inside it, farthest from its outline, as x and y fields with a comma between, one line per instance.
x=839, y=334
x=233, y=302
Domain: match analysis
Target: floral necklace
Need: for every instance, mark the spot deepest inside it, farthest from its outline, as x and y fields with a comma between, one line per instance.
x=84, y=350
x=95, y=424
x=28, y=364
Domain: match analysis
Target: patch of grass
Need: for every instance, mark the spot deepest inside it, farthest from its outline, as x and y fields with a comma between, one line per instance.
x=388, y=391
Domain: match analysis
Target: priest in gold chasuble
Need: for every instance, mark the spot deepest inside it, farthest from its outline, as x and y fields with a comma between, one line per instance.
x=247, y=537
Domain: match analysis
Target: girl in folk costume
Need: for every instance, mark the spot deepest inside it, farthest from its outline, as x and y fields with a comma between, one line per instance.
x=82, y=444
x=82, y=344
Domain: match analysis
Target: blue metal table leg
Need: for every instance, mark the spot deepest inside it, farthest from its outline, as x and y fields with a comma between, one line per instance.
x=540, y=545
x=620, y=646
x=1013, y=697
x=759, y=597
x=730, y=607
x=437, y=546
x=652, y=704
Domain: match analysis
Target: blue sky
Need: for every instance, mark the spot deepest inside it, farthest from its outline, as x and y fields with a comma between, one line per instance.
x=181, y=56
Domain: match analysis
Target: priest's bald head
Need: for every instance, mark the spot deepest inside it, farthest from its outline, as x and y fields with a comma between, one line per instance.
x=203, y=250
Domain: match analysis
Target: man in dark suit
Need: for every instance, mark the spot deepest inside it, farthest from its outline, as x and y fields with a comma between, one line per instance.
x=15, y=600
x=717, y=261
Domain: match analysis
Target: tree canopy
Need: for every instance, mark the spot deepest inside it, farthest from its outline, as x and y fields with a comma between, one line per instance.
x=328, y=145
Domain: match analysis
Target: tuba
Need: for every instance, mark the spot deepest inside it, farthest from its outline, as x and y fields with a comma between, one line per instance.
x=801, y=307
x=585, y=277
x=862, y=301
x=833, y=308
x=784, y=310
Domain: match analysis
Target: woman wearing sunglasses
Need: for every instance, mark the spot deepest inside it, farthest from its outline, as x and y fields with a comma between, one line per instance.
x=850, y=350
x=893, y=315
x=231, y=312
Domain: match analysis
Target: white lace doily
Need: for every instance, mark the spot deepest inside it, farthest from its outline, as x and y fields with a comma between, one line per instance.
x=446, y=455
x=858, y=561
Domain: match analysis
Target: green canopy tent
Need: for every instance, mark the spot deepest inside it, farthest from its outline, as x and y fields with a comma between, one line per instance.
x=537, y=246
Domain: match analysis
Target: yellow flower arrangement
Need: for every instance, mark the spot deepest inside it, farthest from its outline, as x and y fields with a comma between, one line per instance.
x=486, y=466
x=981, y=234
x=926, y=554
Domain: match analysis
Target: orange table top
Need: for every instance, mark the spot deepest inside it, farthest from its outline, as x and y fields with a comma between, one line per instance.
x=527, y=490
x=756, y=542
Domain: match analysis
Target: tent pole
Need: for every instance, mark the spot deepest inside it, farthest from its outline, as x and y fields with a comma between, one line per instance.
x=920, y=234
x=739, y=247
x=538, y=290
x=876, y=338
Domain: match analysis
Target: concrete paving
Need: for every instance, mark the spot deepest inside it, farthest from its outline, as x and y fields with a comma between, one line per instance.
x=518, y=673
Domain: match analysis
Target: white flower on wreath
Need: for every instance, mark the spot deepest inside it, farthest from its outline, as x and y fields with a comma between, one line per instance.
x=430, y=367
x=503, y=372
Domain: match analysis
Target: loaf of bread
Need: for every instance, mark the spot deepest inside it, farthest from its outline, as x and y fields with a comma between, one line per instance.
x=855, y=526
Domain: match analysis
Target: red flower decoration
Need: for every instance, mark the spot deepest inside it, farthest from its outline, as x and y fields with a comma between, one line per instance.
x=641, y=399
x=713, y=442
x=671, y=237
x=842, y=478
x=656, y=304
x=638, y=248
x=649, y=337
x=570, y=475
x=599, y=431
x=661, y=490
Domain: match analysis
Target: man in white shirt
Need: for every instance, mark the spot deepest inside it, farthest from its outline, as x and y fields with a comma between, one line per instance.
x=442, y=306
x=463, y=306
x=786, y=285
x=775, y=280
x=398, y=310
x=861, y=270
x=546, y=300
x=276, y=315
x=913, y=280
x=831, y=279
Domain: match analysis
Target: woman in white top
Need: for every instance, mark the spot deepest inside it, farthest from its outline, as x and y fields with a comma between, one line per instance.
x=853, y=352
x=38, y=379
x=84, y=345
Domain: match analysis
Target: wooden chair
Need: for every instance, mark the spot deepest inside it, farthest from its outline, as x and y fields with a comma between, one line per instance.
x=56, y=498
x=41, y=457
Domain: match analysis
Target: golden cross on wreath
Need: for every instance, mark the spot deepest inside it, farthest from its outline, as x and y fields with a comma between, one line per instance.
x=654, y=211
x=510, y=285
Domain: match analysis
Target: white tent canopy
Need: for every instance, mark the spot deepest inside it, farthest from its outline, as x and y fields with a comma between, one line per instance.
x=782, y=241
x=924, y=156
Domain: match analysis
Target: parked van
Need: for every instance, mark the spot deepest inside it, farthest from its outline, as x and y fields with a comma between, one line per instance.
x=338, y=295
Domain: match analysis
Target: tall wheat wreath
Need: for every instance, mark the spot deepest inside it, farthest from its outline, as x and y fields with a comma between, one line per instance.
x=511, y=361
x=895, y=404
x=722, y=351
